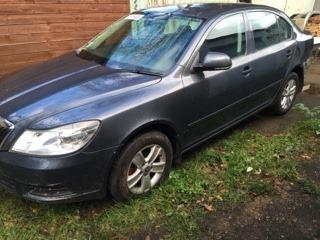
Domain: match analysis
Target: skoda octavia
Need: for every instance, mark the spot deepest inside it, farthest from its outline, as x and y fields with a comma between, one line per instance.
x=115, y=115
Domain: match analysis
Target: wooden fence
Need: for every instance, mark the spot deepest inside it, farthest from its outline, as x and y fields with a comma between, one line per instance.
x=32, y=31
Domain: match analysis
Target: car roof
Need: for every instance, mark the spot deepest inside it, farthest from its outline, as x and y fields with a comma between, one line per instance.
x=203, y=10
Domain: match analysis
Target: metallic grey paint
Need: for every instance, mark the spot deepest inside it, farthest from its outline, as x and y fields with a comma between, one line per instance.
x=188, y=106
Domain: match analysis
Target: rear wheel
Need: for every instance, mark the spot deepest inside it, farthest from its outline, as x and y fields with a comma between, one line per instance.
x=286, y=96
x=143, y=164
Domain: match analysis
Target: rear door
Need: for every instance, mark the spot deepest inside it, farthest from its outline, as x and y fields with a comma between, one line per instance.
x=289, y=45
x=274, y=46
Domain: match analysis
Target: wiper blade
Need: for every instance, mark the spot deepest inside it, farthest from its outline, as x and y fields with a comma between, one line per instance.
x=139, y=71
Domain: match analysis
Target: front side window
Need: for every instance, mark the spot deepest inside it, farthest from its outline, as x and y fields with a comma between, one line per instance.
x=265, y=29
x=228, y=37
x=150, y=43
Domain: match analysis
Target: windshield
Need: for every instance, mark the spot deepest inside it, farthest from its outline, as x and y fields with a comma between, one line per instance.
x=150, y=43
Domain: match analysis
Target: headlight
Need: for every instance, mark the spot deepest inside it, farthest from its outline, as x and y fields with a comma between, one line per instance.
x=56, y=141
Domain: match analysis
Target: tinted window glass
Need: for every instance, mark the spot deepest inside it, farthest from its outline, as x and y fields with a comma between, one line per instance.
x=228, y=37
x=265, y=29
x=285, y=30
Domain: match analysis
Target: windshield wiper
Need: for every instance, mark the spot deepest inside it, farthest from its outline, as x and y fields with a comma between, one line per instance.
x=140, y=71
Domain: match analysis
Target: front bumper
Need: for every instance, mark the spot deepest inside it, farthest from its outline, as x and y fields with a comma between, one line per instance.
x=78, y=177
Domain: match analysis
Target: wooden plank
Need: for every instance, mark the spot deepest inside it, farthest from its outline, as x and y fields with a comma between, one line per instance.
x=9, y=9
x=31, y=57
x=54, y=27
x=62, y=1
x=41, y=47
x=3, y=20
x=45, y=37
x=24, y=19
x=4, y=30
x=13, y=67
x=67, y=45
x=23, y=48
x=7, y=69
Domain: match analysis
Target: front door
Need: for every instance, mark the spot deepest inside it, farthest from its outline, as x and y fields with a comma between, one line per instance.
x=223, y=96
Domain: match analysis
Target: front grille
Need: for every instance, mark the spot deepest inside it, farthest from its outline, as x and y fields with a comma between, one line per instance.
x=5, y=128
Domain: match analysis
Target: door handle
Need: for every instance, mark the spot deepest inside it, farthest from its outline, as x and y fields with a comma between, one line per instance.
x=289, y=53
x=246, y=70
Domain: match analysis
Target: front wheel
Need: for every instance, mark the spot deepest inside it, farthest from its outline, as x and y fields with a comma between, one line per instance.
x=143, y=164
x=286, y=96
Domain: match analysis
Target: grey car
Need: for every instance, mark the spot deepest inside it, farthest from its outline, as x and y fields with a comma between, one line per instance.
x=118, y=113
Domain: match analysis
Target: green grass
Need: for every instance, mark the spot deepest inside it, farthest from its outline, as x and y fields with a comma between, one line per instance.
x=213, y=176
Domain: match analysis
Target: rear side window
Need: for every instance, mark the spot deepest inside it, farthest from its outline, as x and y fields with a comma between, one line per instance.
x=228, y=37
x=285, y=30
x=265, y=29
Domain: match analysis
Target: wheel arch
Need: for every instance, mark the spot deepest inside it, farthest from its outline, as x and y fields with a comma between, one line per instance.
x=163, y=126
x=299, y=70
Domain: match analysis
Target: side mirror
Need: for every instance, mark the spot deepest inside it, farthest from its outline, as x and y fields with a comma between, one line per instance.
x=214, y=61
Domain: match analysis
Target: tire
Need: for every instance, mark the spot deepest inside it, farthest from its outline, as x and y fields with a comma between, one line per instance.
x=133, y=173
x=280, y=105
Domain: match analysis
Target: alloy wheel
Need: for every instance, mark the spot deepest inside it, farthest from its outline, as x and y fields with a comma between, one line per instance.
x=146, y=169
x=288, y=94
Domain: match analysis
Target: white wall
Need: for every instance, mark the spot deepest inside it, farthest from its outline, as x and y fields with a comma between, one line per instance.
x=139, y=4
x=289, y=6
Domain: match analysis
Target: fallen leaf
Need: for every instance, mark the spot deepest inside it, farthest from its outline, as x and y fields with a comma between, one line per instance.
x=254, y=194
x=277, y=182
x=258, y=172
x=277, y=185
x=249, y=169
x=34, y=210
x=180, y=206
x=209, y=208
x=219, y=198
x=305, y=157
x=201, y=200
x=219, y=182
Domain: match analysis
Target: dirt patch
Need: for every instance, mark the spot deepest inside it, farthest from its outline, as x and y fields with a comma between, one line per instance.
x=146, y=234
x=314, y=68
x=314, y=89
x=269, y=125
x=310, y=169
x=289, y=215
x=312, y=77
